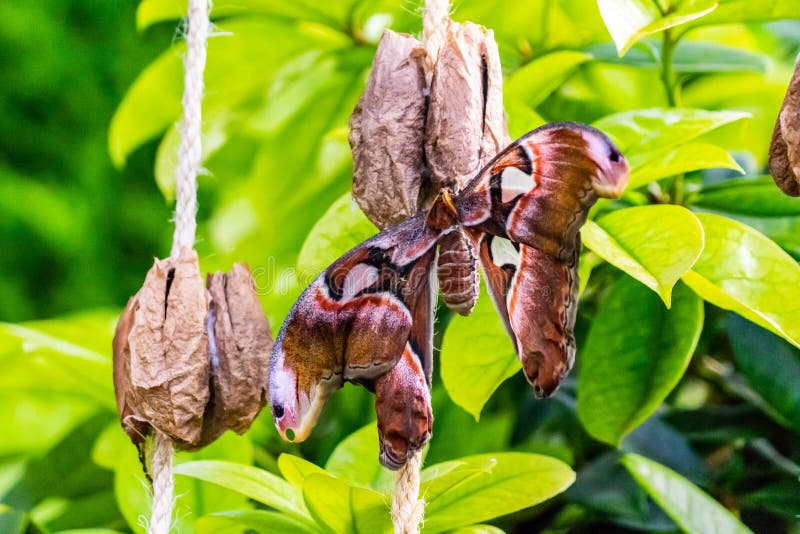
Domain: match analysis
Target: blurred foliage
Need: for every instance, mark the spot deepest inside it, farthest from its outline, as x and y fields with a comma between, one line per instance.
x=682, y=413
x=75, y=233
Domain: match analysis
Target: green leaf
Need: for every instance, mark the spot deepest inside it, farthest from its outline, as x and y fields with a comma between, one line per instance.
x=657, y=129
x=657, y=164
x=654, y=244
x=53, y=375
x=636, y=352
x=491, y=485
x=250, y=481
x=56, y=361
x=334, y=14
x=355, y=459
x=756, y=197
x=772, y=368
x=478, y=529
x=346, y=509
x=13, y=521
x=691, y=508
x=629, y=21
x=152, y=103
x=689, y=57
x=743, y=271
x=533, y=82
x=477, y=356
x=296, y=469
x=782, y=498
x=88, y=531
x=521, y=118
x=738, y=11
x=341, y=228
x=238, y=521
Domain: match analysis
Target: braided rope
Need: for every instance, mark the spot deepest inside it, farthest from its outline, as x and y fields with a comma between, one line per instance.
x=163, y=485
x=190, y=152
x=408, y=510
x=189, y=160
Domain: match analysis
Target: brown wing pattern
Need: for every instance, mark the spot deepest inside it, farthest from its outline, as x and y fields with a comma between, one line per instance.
x=353, y=324
x=524, y=212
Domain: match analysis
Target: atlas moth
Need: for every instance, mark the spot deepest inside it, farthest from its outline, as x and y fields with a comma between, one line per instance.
x=368, y=318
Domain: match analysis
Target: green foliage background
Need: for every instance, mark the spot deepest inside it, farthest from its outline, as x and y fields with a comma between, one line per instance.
x=684, y=410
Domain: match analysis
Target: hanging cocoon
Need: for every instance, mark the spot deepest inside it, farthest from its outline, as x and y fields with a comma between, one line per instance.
x=190, y=360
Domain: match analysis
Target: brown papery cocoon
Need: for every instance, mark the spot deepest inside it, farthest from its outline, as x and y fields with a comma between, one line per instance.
x=784, y=152
x=387, y=131
x=240, y=353
x=161, y=353
x=190, y=362
x=466, y=123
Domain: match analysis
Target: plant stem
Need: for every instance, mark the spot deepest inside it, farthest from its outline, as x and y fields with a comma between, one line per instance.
x=667, y=73
x=677, y=189
x=671, y=88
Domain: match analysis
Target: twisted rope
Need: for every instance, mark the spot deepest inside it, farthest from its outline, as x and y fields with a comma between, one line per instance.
x=189, y=159
x=163, y=485
x=190, y=152
x=408, y=510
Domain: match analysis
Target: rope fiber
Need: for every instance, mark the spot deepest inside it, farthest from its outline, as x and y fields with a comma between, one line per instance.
x=408, y=510
x=189, y=161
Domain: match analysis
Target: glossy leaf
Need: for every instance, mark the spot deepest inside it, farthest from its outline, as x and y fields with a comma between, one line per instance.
x=341, y=228
x=260, y=521
x=154, y=11
x=691, y=508
x=743, y=271
x=477, y=529
x=54, y=374
x=628, y=21
x=355, y=459
x=636, y=352
x=250, y=481
x=605, y=487
x=491, y=485
x=689, y=57
x=654, y=244
x=295, y=469
x=772, y=368
x=657, y=164
x=152, y=103
x=639, y=131
x=477, y=356
x=158, y=90
x=346, y=509
x=736, y=11
x=533, y=82
x=756, y=197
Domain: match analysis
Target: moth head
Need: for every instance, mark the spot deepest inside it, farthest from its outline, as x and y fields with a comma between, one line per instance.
x=294, y=411
x=611, y=168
